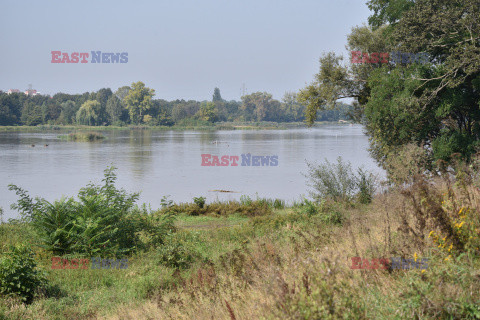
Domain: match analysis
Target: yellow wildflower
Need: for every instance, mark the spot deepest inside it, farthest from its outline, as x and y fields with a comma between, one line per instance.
x=461, y=224
x=423, y=271
x=430, y=234
x=448, y=258
x=444, y=238
x=460, y=212
x=415, y=257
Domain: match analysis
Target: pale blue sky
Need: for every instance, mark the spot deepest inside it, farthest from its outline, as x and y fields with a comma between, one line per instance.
x=180, y=48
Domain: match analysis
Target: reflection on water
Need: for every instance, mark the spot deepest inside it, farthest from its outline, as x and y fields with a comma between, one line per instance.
x=160, y=163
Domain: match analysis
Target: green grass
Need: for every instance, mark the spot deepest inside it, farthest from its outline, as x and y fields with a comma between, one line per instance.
x=209, y=222
x=286, y=264
x=83, y=136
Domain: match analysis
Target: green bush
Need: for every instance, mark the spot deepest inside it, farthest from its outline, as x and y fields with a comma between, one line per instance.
x=245, y=200
x=200, y=201
x=105, y=221
x=339, y=182
x=332, y=217
x=19, y=274
x=83, y=136
x=366, y=186
x=278, y=204
x=272, y=203
x=332, y=180
x=176, y=254
x=308, y=208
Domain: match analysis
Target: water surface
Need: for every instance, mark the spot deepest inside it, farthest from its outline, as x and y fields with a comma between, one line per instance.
x=160, y=163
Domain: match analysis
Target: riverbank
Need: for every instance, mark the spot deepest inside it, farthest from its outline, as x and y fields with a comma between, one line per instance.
x=284, y=263
x=216, y=126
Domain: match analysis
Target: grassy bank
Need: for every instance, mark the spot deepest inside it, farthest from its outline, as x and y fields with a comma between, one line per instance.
x=215, y=126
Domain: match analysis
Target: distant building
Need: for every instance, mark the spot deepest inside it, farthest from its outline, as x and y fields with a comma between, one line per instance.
x=31, y=92
x=13, y=91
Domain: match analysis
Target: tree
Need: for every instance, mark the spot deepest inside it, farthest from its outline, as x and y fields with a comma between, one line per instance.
x=114, y=109
x=31, y=114
x=122, y=92
x=292, y=109
x=88, y=113
x=138, y=100
x=259, y=106
x=438, y=101
x=387, y=11
x=208, y=112
x=11, y=108
x=179, y=113
x=435, y=104
x=102, y=97
x=216, y=95
x=69, y=110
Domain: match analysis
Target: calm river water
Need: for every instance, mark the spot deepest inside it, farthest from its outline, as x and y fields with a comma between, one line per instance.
x=161, y=163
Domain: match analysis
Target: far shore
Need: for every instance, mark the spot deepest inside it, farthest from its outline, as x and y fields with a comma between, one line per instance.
x=215, y=126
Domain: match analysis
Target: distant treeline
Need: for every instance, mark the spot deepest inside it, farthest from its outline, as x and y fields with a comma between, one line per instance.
x=135, y=105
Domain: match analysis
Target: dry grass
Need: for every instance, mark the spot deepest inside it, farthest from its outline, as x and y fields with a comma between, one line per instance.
x=294, y=266
x=308, y=276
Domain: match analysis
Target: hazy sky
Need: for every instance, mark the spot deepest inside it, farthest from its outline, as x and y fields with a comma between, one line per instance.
x=180, y=48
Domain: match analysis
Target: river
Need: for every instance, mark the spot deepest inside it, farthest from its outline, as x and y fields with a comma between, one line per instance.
x=169, y=163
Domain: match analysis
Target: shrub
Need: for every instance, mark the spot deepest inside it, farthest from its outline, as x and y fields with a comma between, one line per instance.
x=104, y=221
x=366, y=186
x=333, y=217
x=176, y=254
x=245, y=200
x=85, y=136
x=308, y=207
x=278, y=204
x=19, y=274
x=333, y=180
x=272, y=203
x=339, y=182
x=200, y=201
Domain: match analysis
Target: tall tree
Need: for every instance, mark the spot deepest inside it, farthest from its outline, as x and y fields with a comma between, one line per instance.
x=31, y=114
x=208, y=112
x=114, y=109
x=122, y=92
x=292, y=109
x=88, y=113
x=138, y=100
x=434, y=104
x=259, y=106
x=216, y=95
x=102, y=97
x=69, y=110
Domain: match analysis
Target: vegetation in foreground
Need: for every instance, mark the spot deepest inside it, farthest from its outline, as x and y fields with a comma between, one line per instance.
x=251, y=259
